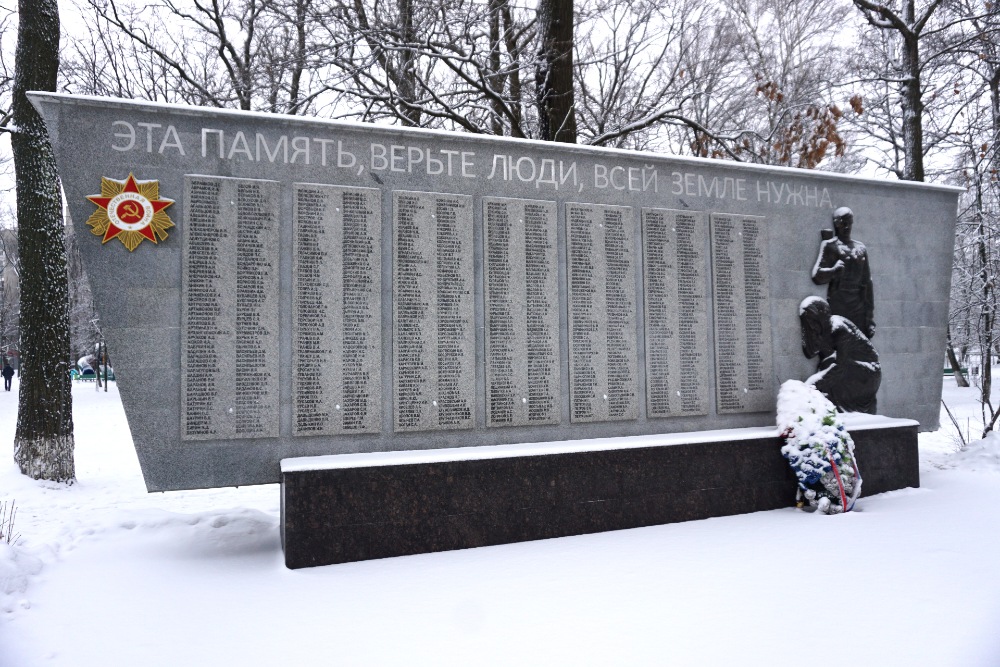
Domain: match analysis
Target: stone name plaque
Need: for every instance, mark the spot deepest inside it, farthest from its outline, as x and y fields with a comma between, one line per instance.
x=433, y=312
x=741, y=295
x=675, y=275
x=336, y=310
x=522, y=312
x=229, y=319
x=602, y=313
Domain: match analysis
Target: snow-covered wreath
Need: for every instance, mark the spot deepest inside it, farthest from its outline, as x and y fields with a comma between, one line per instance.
x=818, y=448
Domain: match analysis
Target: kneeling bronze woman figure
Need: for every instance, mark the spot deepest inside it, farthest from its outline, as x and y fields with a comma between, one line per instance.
x=849, y=372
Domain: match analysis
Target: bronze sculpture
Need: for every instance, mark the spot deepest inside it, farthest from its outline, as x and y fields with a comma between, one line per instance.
x=843, y=265
x=849, y=373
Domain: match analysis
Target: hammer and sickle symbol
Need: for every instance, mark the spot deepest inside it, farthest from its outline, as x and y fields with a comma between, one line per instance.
x=131, y=211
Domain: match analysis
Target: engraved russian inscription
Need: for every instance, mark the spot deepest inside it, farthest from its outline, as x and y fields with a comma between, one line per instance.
x=229, y=346
x=433, y=312
x=741, y=298
x=336, y=310
x=676, y=316
x=602, y=313
x=205, y=311
x=522, y=320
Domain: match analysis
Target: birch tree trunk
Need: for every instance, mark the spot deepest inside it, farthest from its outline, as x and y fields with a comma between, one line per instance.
x=43, y=443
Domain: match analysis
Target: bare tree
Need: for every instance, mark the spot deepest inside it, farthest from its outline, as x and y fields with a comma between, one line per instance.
x=744, y=79
x=43, y=442
x=6, y=72
x=975, y=312
x=84, y=329
x=769, y=67
x=379, y=55
x=452, y=65
x=792, y=59
x=630, y=73
x=915, y=62
x=248, y=54
x=456, y=65
x=10, y=293
x=908, y=64
x=108, y=62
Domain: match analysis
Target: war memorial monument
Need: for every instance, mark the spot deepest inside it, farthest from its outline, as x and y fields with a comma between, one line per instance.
x=437, y=340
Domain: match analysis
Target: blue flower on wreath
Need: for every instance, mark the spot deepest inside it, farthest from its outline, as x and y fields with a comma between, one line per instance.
x=812, y=477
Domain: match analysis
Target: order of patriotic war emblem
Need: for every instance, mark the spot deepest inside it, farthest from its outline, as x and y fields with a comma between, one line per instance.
x=130, y=211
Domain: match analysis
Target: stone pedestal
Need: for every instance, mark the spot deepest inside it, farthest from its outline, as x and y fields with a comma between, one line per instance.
x=337, y=509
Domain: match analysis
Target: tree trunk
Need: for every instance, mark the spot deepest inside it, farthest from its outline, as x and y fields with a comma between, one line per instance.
x=908, y=28
x=514, y=50
x=495, y=80
x=554, y=73
x=956, y=367
x=989, y=314
x=913, y=106
x=299, y=65
x=407, y=82
x=43, y=443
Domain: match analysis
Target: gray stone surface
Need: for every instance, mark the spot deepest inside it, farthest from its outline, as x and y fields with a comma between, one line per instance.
x=432, y=325
x=521, y=277
x=336, y=310
x=602, y=313
x=675, y=275
x=229, y=354
x=908, y=229
x=744, y=368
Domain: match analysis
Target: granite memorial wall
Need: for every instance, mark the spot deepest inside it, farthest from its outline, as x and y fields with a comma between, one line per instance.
x=333, y=288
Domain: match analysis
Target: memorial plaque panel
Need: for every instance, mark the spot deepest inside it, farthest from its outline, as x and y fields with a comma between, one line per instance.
x=229, y=319
x=675, y=274
x=336, y=310
x=741, y=296
x=522, y=317
x=602, y=313
x=434, y=336
x=265, y=362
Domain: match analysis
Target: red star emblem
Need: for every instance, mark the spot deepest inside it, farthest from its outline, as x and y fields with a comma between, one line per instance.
x=130, y=211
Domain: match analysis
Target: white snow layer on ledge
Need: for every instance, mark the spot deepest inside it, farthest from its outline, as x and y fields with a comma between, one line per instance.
x=853, y=422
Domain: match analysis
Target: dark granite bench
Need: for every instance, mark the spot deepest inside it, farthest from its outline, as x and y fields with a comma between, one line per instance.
x=351, y=507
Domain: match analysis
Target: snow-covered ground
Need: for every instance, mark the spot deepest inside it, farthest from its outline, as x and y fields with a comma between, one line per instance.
x=105, y=574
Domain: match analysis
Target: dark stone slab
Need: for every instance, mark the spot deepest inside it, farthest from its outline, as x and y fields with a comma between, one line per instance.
x=336, y=511
x=888, y=459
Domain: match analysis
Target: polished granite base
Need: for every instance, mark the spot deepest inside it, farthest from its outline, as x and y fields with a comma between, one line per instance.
x=337, y=509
